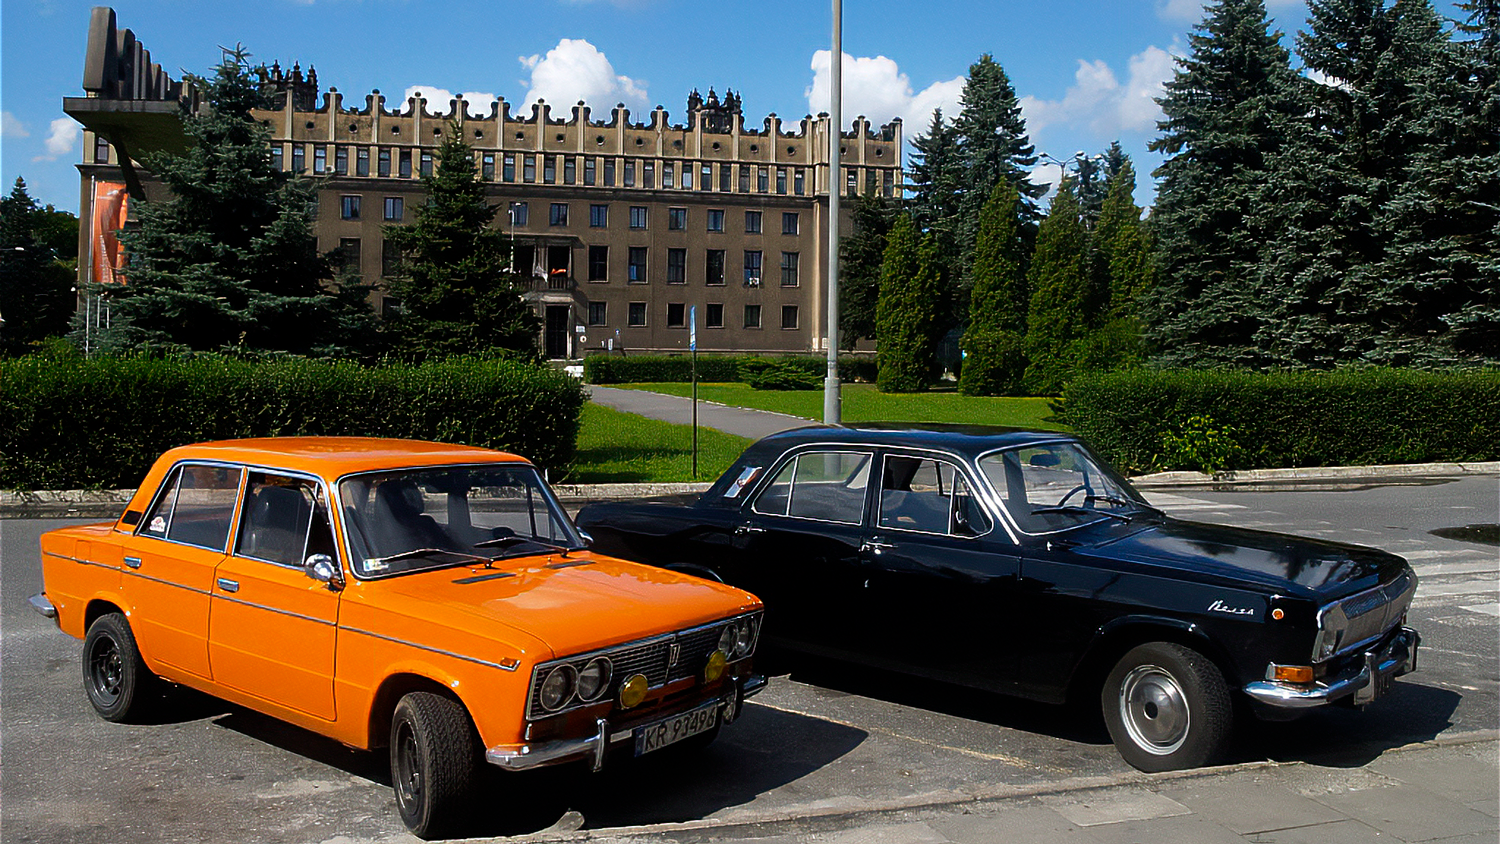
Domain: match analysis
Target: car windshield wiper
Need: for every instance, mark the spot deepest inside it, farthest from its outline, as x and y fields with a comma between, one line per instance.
x=502, y=541
x=1074, y=508
x=382, y=562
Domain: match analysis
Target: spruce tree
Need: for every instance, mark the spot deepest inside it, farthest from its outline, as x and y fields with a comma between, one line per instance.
x=907, y=317
x=457, y=292
x=228, y=260
x=994, y=341
x=860, y=255
x=36, y=297
x=1229, y=109
x=993, y=146
x=936, y=181
x=1122, y=272
x=1056, y=321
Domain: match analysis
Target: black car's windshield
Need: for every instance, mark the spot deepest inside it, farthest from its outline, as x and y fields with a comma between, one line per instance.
x=450, y=515
x=1055, y=486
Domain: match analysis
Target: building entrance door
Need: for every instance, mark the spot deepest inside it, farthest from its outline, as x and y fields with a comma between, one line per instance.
x=555, y=337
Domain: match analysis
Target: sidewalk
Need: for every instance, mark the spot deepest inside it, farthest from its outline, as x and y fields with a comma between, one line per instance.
x=741, y=422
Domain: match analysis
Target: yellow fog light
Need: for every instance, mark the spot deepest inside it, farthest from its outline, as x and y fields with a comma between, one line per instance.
x=714, y=669
x=633, y=691
x=1290, y=673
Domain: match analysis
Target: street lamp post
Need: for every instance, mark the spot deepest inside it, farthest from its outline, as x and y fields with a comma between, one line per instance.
x=831, y=386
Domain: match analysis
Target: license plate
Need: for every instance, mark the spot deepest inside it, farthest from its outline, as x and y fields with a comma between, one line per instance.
x=678, y=727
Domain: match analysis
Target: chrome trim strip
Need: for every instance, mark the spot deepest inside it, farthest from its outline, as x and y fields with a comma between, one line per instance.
x=507, y=665
x=1397, y=658
x=77, y=560
x=43, y=606
x=193, y=589
x=244, y=603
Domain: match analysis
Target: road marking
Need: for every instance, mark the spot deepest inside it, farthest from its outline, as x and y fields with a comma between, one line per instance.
x=1484, y=609
x=1451, y=553
x=1441, y=569
x=1462, y=587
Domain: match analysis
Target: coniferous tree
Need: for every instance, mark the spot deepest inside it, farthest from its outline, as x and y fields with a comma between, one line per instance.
x=1228, y=112
x=229, y=260
x=860, y=255
x=993, y=146
x=1121, y=265
x=908, y=313
x=936, y=184
x=994, y=343
x=457, y=292
x=36, y=297
x=1056, y=321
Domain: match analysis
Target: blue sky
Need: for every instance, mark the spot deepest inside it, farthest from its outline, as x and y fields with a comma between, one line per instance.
x=1086, y=71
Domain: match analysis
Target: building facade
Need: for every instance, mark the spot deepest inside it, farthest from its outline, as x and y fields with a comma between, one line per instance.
x=625, y=230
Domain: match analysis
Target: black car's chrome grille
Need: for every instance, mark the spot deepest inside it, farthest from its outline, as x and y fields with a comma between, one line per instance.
x=1372, y=614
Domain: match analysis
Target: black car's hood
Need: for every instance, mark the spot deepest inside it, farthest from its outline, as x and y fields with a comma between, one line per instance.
x=1296, y=563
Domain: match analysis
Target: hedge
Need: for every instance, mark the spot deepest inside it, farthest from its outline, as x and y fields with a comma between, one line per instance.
x=1144, y=420
x=99, y=423
x=638, y=369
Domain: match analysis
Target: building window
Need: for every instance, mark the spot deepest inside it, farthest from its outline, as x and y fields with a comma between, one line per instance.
x=598, y=216
x=598, y=263
x=707, y=182
x=276, y=156
x=781, y=180
x=676, y=315
x=789, y=261
x=341, y=160
x=763, y=180
x=390, y=258
x=676, y=219
x=383, y=164
x=101, y=150
x=676, y=266
x=869, y=182
x=788, y=316
x=637, y=314
x=362, y=162
x=405, y=164
x=549, y=169
x=559, y=266
x=744, y=178
x=752, y=267
x=518, y=213
x=637, y=273
x=508, y=168
x=789, y=222
x=629, y=174
x=713, y=315
x=570, y=170
x=348, y=257
x=851, y=182
x=714, y=274
x=609, y=172
x=687, y=177
x=715, y=219
x=888, y=184
x=638, y=216
x=648, y=175
x=395, y=209
x=799, y=182
x=523, y=260
x=667, y=174
x=349, y=207
x=487, y=167
x=588, y=170
x=752, y=316
x=320, y=160
x=426, y=164
x=299, y=158
x=598, y=313
x=725, y=176
x=752, y=222
x=558, y=216
x=528, y=168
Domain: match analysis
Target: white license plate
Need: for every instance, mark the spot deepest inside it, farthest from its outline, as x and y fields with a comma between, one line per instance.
x=678, y=727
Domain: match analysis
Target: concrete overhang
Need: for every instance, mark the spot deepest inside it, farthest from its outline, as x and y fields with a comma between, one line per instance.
x=139, y=126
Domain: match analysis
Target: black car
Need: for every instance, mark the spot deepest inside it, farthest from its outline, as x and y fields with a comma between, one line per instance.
x=1019, y=562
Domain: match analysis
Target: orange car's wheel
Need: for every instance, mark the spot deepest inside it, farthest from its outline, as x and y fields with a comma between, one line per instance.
x=434, y=763
x=118, y=683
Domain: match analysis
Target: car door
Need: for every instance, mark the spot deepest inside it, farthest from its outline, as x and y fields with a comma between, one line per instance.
x=940, y=574
x=170, y=560
x=273, y=628
x=797, y=542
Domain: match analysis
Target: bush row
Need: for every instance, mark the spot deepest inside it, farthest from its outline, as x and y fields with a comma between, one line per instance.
x=99, y=423
x=1212, y=420
x=638, y=369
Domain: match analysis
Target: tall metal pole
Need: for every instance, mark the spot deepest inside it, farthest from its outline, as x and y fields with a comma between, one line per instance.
x=831, y=412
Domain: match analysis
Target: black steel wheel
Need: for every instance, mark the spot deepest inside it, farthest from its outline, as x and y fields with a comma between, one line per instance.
x=434, y=763
x=1167, y=708
x=118, y=683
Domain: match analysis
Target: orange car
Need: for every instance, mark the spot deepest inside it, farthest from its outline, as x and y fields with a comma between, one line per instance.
x=434, y=599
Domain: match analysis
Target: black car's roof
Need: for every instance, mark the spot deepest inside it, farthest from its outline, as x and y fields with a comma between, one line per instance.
x=962, y=439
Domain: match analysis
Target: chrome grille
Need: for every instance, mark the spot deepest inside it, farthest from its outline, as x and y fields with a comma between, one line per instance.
x=1373, y=613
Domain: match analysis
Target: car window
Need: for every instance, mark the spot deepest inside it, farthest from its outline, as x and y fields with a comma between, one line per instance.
x=196, y=506
x=284, y=520
x=929, y=495
x=1054, y=486
x=828, y=486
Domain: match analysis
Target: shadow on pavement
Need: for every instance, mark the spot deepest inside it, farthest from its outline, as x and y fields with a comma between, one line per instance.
x=1344, y=737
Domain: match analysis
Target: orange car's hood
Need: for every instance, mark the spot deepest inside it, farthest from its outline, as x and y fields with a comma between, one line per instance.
x=569, y=605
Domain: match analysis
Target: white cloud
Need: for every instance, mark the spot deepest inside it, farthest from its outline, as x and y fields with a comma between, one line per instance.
x=62, y=139
x=1192, y=11
x=876, y=88
x=438, y=100
x=576, y=70
x=12, y=127
x=1097, y=100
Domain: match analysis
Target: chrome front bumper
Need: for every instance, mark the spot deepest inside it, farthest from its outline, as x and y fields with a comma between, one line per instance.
x=1366, y=681
x=521, y=757
x=43, y=606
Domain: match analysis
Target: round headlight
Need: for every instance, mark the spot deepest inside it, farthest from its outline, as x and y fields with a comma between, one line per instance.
x=557, y=689
x=633, y=691
x=714, y=668
x=594, y=679
x=744, y=637
x=726, y=638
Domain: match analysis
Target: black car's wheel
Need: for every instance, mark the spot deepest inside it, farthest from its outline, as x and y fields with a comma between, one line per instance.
x=118, y=683
x=434, y=762
x=1167, y=708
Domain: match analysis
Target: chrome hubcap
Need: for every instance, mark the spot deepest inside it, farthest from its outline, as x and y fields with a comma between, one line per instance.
x=1154, y=710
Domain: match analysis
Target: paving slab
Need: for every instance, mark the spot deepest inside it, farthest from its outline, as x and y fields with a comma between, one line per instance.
x=1344, y=831
x=1017, y=823
x=1410, y=814
x=1114, y=805
x=1468, y=775
x=1183, y=829
x=1248, y=805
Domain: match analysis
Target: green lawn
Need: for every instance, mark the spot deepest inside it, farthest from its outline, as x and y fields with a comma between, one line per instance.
x=615, y=447
x=864, y=403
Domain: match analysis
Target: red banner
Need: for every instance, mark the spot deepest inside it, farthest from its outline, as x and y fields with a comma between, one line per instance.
x=108, y=218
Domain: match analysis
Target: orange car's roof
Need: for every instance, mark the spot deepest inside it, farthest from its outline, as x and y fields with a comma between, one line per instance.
x=332, y=457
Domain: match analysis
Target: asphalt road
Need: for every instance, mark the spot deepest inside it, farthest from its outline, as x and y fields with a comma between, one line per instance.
x=819, y=740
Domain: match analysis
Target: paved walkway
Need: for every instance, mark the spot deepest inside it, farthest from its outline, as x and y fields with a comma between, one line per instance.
x=739, y=421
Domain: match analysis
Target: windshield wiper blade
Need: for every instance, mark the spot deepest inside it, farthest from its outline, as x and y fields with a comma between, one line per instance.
x=426, y=552
x=1073, y=508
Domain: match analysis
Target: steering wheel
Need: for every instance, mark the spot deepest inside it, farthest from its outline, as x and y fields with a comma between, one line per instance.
x=1063, y=502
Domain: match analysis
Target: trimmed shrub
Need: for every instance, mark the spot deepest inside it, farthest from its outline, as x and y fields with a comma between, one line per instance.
x=1145, y=419
x=102, y=422
x=645, y=369
x=780, y=375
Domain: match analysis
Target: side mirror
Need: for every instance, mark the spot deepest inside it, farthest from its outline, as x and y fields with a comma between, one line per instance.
x=588, y=538
x=322, y=568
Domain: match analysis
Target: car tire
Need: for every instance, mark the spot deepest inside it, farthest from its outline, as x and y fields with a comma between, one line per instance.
x=1167, y=707
x=434, y=763
x=116, y=679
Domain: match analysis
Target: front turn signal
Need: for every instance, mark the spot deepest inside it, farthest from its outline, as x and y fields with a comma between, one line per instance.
x=1300, y=674
x=633, y=691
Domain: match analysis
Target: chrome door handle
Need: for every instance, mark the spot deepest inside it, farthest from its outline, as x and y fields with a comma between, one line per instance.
x=875, y=545
x=228, y=585
x=133, y=562
x=744, y=529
